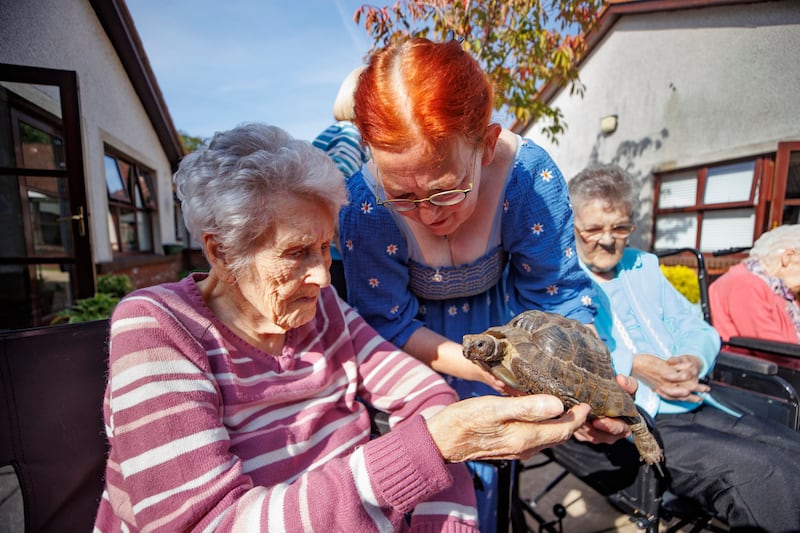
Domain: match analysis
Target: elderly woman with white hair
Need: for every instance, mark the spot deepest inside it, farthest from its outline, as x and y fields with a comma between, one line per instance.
x=235, y=399
x=741, y=469
x=758, y=297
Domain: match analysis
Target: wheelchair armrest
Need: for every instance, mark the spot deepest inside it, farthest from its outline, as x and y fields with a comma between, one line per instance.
x=380, y=423
x=784, y=349
x=746, y=363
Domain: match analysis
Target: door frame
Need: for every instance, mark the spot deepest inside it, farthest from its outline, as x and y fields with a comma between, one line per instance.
x=67, y=83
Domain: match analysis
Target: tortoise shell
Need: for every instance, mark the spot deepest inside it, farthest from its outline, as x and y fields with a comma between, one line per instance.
x=546, y=353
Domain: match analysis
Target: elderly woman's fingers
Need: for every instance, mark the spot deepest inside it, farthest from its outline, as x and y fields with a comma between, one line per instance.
x=603, y=431
x=492, y=427
x=628, y=383
x=527, y=408
x=608, y=430
x=684, y=392
x=521, y=440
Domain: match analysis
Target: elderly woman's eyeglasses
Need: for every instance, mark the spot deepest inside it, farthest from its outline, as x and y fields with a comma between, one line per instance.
x=618, y=231
x=440, y=199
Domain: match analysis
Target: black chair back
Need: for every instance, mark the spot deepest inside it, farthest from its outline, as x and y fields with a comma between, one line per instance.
x=51, y=424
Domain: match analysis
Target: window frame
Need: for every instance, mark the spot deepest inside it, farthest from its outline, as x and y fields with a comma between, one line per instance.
x=778, y=199
x=64, y=117
x=758, y=198
x=139, y=202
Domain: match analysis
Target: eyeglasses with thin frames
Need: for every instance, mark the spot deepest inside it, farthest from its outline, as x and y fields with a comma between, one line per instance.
x=618, y=231
x=440, y=199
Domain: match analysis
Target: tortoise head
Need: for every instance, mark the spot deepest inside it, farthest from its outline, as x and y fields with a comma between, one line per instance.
x=483, y=347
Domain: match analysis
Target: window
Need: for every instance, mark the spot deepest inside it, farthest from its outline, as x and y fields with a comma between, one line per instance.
x=131, y=205
x=709, y=208
x=787, y=185
x=728, y=205
x=177, y=219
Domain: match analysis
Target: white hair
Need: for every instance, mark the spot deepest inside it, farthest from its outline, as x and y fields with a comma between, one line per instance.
x=773, y=243
x=233, y=188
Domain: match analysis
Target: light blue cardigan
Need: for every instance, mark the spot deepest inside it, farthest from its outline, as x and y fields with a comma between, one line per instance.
x=650, y=316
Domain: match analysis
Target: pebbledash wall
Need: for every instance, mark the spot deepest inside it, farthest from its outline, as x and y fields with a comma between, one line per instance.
x=121, y=110
x=689, y=85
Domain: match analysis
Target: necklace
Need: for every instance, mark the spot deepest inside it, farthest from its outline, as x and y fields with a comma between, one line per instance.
x=437, y=275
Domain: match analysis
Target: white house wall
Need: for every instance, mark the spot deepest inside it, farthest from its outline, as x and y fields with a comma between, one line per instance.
x=67, y=35
x=689, y=87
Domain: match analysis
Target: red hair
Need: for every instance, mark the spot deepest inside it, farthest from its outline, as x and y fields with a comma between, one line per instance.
x=422, y=91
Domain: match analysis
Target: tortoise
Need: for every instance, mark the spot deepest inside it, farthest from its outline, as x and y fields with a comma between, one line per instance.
x=546, y=353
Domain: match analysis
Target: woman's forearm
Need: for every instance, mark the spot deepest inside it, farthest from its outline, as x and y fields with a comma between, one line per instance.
x=441, y=354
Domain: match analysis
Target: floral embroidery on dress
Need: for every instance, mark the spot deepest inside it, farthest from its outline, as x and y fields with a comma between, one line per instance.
x=546, y=175
x=394, y=309
x=391, y=249
x=366, y=208
x=552, y=290
x=423, y=310
x=465, y=307
x=526, y=267
x=452, y=310
x=586, y=300
x=568, y=252
x=505, y=205
x=373, y=282
x=348, y=244
x=537, y=228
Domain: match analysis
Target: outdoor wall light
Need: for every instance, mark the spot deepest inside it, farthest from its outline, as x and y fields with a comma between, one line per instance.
x=608, y=124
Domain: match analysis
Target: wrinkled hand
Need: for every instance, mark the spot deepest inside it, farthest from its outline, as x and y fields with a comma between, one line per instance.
x=673, y=379
x=495, y=427
x=608, y=430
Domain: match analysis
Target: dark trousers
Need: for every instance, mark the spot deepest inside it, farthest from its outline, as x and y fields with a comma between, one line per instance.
x=746, y=471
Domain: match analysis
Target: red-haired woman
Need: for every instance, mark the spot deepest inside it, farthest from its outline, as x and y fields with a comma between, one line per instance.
x=456, y=224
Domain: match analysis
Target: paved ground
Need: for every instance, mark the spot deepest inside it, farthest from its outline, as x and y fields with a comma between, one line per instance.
x=10, y=502
x=587, y=511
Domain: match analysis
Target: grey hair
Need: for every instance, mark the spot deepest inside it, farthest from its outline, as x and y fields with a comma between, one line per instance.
x=773, y=243
x=603, y=182
x=233, y=187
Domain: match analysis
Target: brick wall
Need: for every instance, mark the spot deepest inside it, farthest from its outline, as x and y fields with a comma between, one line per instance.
x=145, y=271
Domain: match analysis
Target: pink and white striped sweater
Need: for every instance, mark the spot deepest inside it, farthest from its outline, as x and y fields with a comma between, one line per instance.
x=208, y=433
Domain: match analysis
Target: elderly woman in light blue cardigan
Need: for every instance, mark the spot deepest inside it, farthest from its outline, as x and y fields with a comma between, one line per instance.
x=654, y=330
x=742, y=469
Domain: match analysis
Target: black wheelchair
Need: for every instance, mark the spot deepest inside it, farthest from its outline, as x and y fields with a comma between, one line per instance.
x=750, y=376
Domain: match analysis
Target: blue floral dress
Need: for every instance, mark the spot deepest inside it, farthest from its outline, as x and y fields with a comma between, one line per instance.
x=530, y=263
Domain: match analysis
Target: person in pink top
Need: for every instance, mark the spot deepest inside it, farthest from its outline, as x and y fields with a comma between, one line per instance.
x=758, y=297
x=236, y=399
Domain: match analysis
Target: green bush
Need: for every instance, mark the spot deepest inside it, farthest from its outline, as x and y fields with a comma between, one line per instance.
x=115, y=285
x=110, y=290
x=684, y=279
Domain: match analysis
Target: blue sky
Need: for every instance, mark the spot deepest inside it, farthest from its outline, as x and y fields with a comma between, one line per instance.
x=220, y=64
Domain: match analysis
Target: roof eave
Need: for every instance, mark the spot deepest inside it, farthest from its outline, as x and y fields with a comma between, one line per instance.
x=118, y=25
